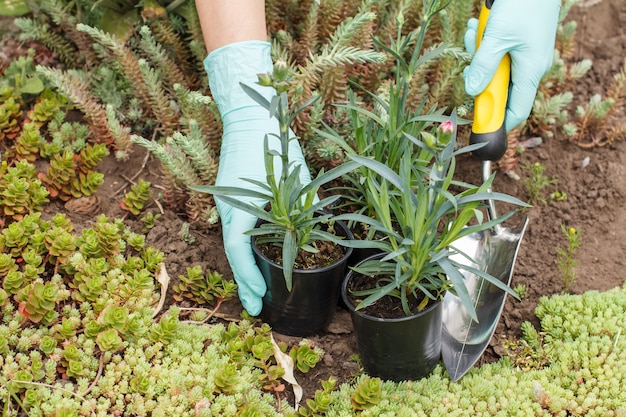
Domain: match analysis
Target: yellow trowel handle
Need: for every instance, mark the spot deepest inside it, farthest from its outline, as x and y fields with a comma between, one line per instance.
x=490, y=105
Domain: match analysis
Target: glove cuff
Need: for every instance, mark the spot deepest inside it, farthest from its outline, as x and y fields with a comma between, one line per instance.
x=235, y=63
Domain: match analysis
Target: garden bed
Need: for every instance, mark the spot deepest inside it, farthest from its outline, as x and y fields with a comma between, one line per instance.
x=594, y=206
x=594, y=181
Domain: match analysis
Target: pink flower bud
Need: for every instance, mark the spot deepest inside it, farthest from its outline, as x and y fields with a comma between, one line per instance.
x=444, y=132
x=447, y=126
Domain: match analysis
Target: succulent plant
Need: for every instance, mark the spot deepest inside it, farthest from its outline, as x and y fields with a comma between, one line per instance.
x=367, y=393
x=59, y=174
x=21, y=379
x=71, y=360
x=44, y=110
x=166, y=329
x=64, y=412
x=321, y=401
x=136, y=198
x=305, y=357
x=74, y=368
x=226, y=379
x=92, y=329
x=14, y=239
x=32, y=398
x=13, y=281
x=135, y=240
x=86, y=184
x=21, y=192
x=47, y=345
x=7, y=263
x=4, y=299
x=66, y=329
x=109, y=340
x=60, y=244
x=89, y=279
x=115, y=317
x=33, y=259
x=89, y=244
x=10, y=112
x=149, y=221
x=59, y=220
x=38, y=302
x=152, y=258
x=140, y=384
x=89, y=157
x=109, y=236
x=201, y=288
x=28, y=143
x=72, y=176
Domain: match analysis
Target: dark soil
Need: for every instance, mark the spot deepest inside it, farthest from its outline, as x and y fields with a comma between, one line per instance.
x=328, y=253
x=389, y=307
x=594, y=206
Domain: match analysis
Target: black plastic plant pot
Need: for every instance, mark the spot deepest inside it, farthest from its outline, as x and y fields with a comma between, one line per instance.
x=312, y=301
x=397, y=349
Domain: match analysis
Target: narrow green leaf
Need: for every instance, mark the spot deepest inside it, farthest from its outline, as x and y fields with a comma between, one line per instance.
x=376, y=295
x=274, y=106
x=368, y=114
x=267, y=229
x=398, y=252
x=256, y=96
x=360, y=218
x=379, y=168
x=330, y=134
x=326, y=177
x=433, y=53
x=458, y=286
x=487, y=277
x=319, y=206
x=290, y=251
x=367, y=244
x=247, y=207
x=306, y=104
x=230, y=191
x=261, y=185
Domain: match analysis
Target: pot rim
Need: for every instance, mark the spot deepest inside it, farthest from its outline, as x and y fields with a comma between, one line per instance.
x=353, y=310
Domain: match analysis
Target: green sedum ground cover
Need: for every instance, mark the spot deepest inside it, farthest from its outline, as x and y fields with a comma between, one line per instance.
x=585, y=374
x=220, y=371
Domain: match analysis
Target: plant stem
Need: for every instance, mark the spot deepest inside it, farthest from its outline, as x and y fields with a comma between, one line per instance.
x=39, y=384
x=283, y=120
x=97, y=378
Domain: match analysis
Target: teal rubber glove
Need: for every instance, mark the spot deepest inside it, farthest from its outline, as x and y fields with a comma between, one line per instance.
x=241, y=157
x=524, y=29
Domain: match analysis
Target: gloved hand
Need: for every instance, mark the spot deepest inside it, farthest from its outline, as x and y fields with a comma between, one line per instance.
x=242, y=157
x=524, y=29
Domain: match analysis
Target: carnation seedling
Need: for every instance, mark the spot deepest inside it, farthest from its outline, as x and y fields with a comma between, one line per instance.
x=292, y=219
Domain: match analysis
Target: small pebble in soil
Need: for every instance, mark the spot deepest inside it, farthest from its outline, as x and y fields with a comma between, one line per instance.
x=585, y=162
x=328, y=360
x=351, y=367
